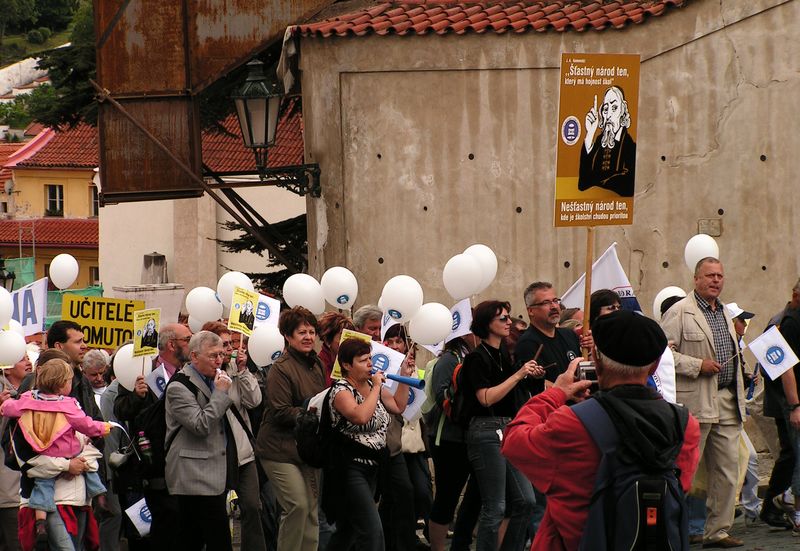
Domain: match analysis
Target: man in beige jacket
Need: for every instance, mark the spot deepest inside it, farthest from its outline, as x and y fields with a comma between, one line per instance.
x=709, y=383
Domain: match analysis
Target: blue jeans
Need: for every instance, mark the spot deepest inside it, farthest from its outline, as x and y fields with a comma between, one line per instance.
x=358, y=522
x=57, y=536
x=697, y=515
x=44, y=489
x=503, y=488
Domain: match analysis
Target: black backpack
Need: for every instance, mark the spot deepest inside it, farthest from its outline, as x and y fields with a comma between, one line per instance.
x=152, y=421
x=314, y=434
x=631, y=509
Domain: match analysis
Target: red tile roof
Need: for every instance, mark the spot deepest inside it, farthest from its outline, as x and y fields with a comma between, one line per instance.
x=443, y=17
x=81, y=233
x=223, y=152
x=6, y=150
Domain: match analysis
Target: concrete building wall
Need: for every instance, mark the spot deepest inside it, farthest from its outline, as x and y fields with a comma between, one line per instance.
x=428, y=144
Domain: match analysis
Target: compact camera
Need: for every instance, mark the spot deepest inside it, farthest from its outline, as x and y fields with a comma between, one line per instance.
x=587, y=372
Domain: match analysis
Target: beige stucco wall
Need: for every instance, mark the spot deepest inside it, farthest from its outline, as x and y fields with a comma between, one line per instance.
x=392, y=121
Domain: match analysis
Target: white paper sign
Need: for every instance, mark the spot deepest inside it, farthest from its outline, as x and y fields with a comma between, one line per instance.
x=773, y=352
x=416, y=398
x=157, y=380
x=140, y=517
x=268, y=310
x=388, y=361
x=386, y=322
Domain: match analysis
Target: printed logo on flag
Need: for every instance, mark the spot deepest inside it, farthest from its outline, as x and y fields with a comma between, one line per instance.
x=144, y=514
x=456, y=320
x=262, y=311
x=775, y=355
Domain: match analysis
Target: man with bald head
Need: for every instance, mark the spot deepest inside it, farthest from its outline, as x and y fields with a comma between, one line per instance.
x=173, y=353
x=709, y=382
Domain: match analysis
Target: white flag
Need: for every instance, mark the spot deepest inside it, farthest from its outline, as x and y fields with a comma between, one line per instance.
x=140, y=517
x=416, y=398
x=157, y=381
x=386, y=322
x=773, y=352
x=30, y=306
x=267, y=312
x=607, y=273
x=462, y=319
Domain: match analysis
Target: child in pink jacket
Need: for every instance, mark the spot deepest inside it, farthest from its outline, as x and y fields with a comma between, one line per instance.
x=48, y=419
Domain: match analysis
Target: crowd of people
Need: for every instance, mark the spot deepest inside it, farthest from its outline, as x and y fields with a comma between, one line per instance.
x=514, y=458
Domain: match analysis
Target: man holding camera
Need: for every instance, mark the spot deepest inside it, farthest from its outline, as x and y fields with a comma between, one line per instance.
x=552, y=447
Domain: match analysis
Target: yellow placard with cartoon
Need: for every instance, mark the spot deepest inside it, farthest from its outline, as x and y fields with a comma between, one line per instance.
x=145, y=330
x=597, y=132
x=243, y=311
x=336, y=372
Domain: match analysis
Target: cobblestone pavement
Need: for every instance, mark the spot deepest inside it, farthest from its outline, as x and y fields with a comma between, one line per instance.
x=760, y=536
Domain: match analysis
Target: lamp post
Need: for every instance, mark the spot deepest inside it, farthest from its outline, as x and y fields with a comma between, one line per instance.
x=258, y=109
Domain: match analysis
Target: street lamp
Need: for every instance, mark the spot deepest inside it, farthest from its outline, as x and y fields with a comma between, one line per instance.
x=258, y=109
x=6, y=277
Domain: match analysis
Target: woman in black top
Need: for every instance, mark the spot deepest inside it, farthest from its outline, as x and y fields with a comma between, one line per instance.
x=494, y=391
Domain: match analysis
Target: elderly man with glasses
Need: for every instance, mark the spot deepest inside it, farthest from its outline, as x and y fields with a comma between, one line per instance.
x=201, y=458
x=551, y=346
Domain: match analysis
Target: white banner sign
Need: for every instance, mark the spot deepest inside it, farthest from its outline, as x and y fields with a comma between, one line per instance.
x=30, y=306
x=267, y=312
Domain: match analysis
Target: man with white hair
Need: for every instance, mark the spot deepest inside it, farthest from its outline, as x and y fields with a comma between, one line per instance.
x=609, y=161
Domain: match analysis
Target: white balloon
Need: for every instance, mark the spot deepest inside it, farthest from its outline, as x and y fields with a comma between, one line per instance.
x=339, y=287
x=699, y=247
x=402, y=297
x=663, y=295
x=203, y=304
x=304, y=290
x=6, y=306
x=16, y=327
x=265, y=345
x=63, y=270
x=431, y=324
x=12, y=347
x=462, y=276
x=226, y=284
x=195, y=324
x=127, y=368
x=380, y=304
x=488, y=261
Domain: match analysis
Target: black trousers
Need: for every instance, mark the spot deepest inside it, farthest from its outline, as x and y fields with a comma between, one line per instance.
x=163, y=510
x=203, y=521
x=781, y=477
x=397, y=505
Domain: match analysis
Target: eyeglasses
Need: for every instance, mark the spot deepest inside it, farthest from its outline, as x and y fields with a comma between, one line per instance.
x=218, y=355
x=503, y=319
x=546, y=303
x=226, y=344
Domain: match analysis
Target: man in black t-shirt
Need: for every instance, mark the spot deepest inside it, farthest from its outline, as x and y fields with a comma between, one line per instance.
x=559, y=346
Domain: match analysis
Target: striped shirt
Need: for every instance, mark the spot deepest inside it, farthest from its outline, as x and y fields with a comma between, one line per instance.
x=725, y=348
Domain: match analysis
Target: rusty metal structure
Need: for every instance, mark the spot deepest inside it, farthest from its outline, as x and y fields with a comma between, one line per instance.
x=153, y=59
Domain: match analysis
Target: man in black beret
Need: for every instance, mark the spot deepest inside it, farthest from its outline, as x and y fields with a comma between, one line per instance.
x=550, y=442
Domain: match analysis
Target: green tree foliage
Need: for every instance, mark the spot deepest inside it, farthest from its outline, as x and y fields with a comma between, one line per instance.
x=55, y=14
x=71, y=100
x=14, y=113
x=293, y=230
x=15, y=13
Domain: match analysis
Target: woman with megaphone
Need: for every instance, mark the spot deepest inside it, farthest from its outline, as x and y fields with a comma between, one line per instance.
x=360, y=408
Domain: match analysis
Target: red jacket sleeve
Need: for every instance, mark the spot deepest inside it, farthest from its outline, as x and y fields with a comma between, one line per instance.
x=690, y=453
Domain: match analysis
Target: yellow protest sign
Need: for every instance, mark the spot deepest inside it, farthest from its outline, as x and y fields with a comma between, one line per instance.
x=597, y=132
x=105, y=322
x=243, y=314
x=145, y=327
x=336, y=372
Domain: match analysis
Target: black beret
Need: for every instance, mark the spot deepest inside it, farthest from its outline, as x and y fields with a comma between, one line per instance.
x=629, y=338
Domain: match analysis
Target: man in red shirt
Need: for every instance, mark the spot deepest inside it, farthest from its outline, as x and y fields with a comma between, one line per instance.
x=550, y=445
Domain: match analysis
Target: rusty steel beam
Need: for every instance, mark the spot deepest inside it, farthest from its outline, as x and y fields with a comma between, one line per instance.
x=154, y=57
